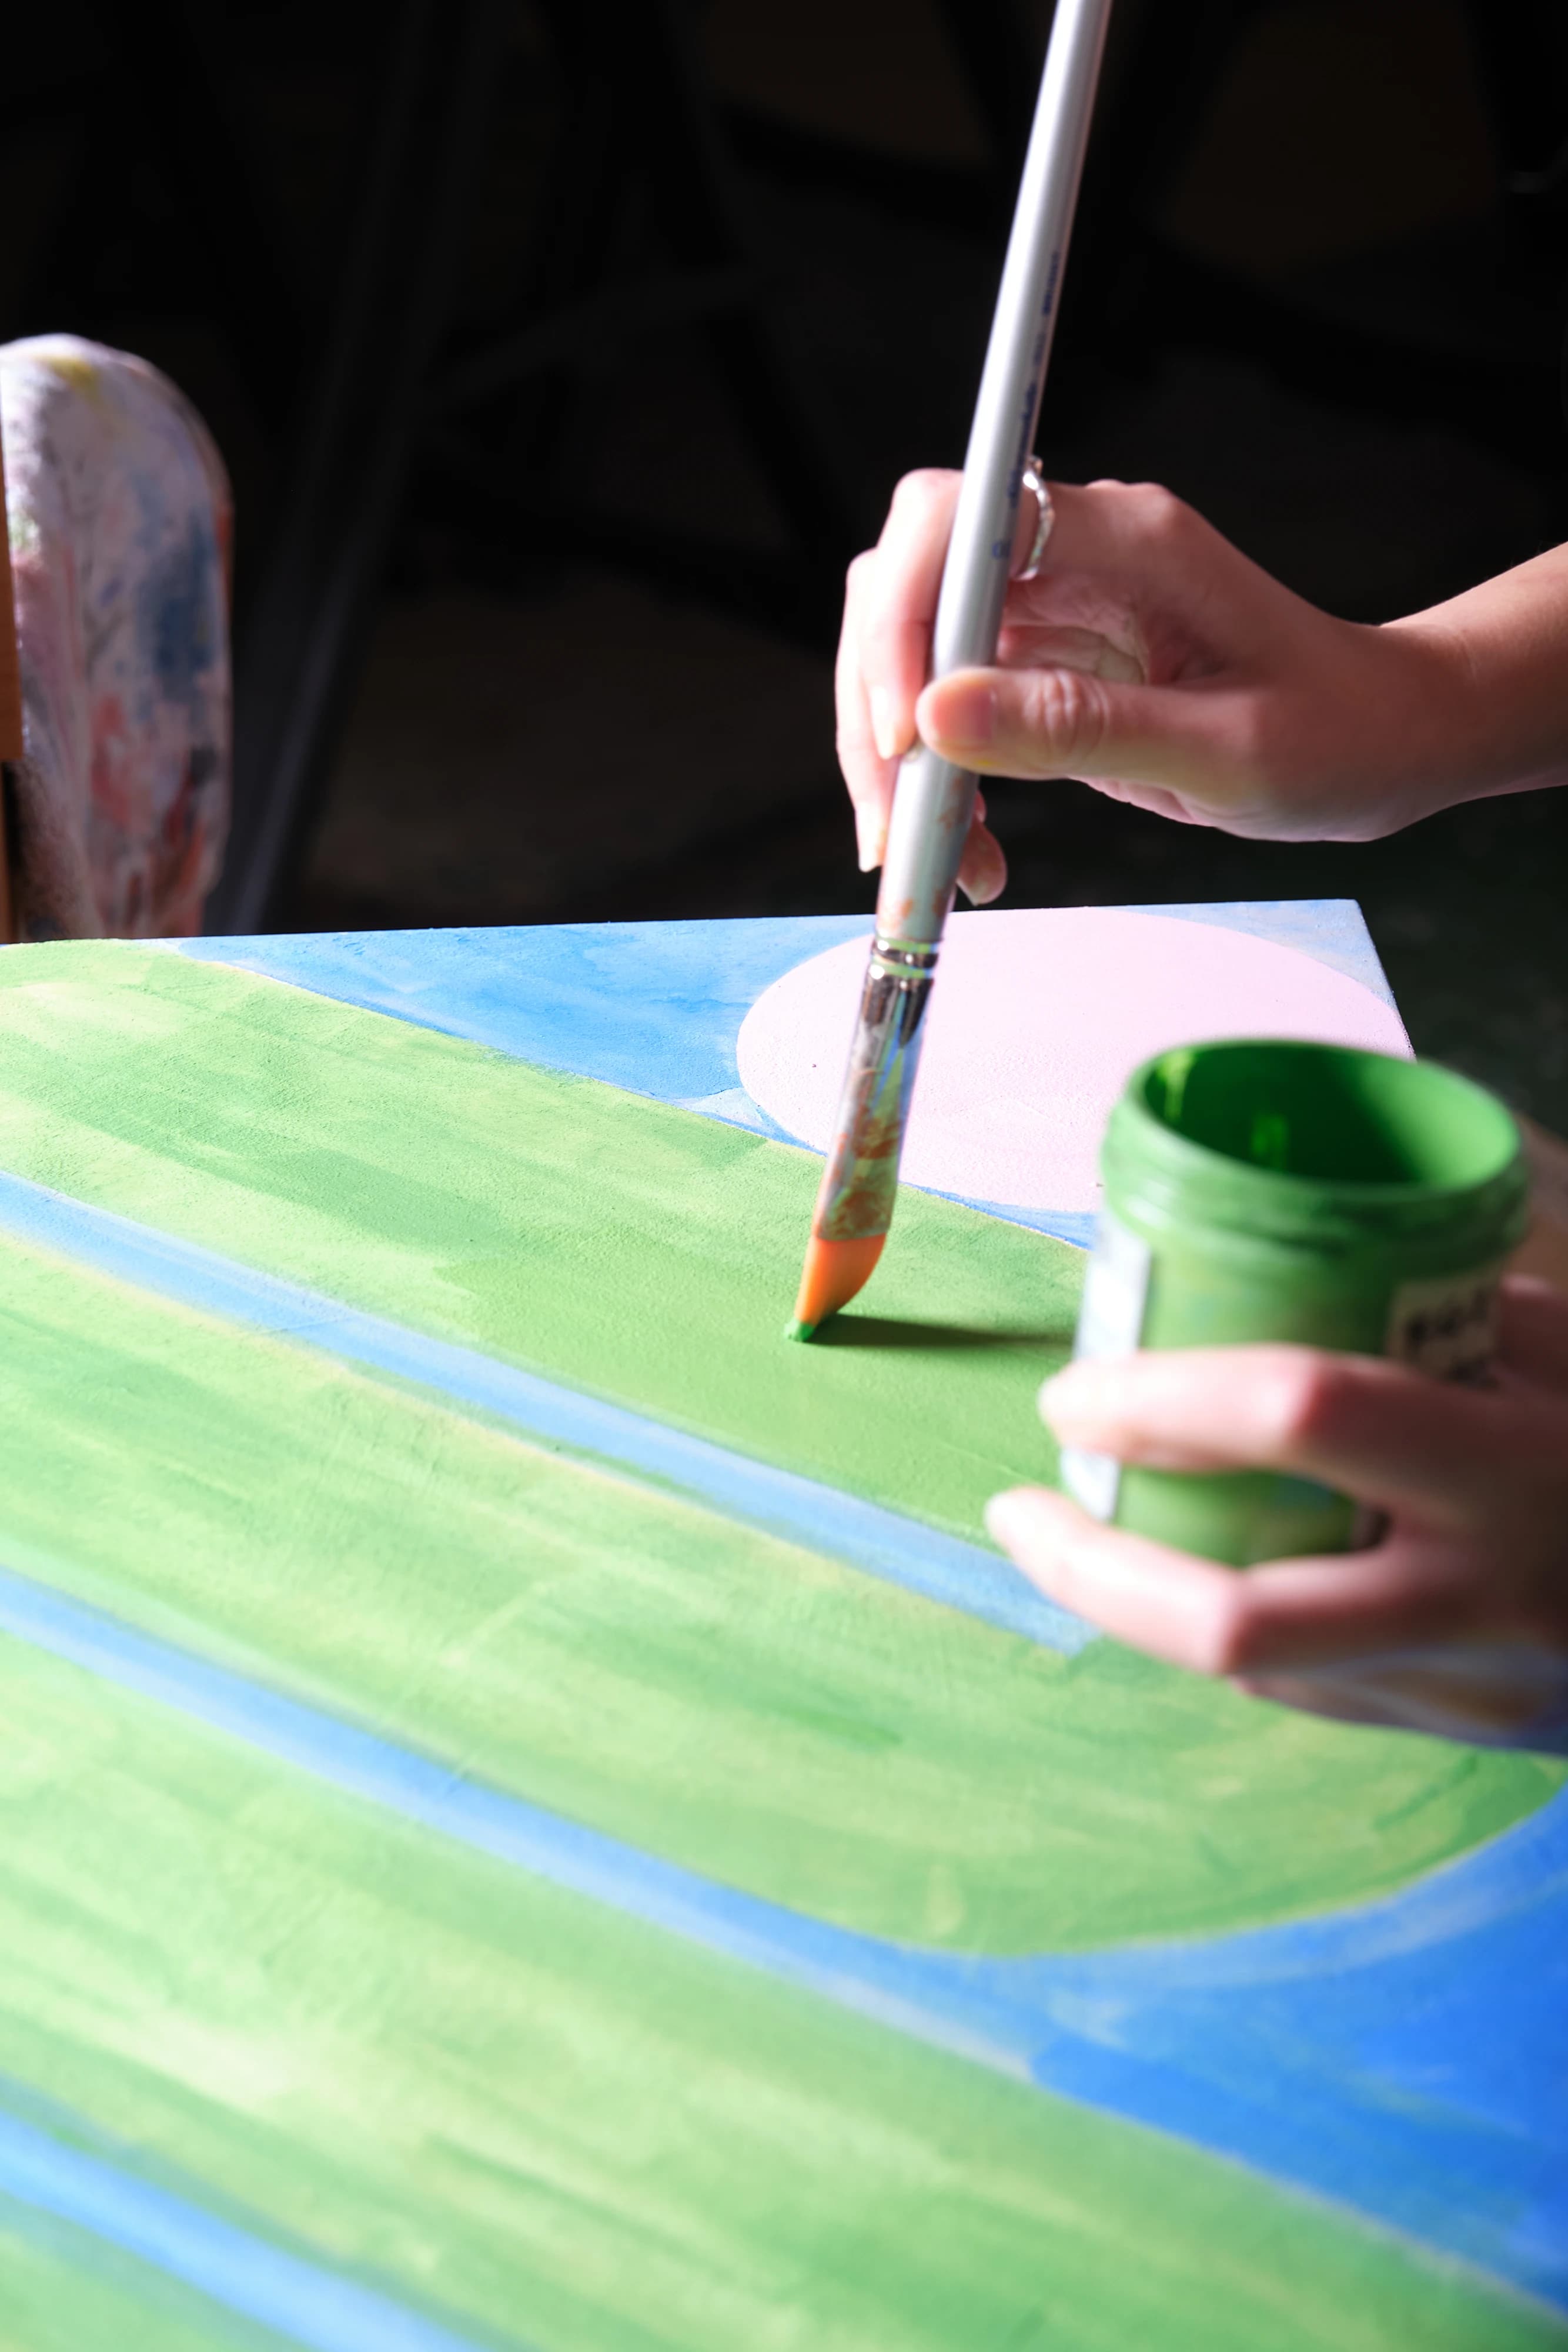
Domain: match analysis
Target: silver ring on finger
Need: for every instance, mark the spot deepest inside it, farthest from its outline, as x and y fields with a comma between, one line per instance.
x=1033, y=480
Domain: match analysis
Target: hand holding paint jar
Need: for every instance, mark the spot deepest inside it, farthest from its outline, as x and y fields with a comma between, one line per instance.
x=1307, y=1243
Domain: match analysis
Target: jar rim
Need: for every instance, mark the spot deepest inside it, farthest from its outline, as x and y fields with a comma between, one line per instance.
x=1254, y=1106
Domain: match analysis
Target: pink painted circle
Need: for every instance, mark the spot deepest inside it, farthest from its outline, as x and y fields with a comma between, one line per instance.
x=1037, y=1018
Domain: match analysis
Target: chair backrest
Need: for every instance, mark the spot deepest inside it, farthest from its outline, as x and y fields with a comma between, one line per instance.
x=10, y=705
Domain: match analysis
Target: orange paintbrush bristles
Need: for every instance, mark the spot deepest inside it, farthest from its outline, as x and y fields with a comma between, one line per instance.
x=832, y=1273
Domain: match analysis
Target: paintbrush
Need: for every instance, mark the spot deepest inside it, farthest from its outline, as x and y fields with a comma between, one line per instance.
x=933, y=801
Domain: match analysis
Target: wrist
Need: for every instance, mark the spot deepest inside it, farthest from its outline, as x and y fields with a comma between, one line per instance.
x=1445, y=756
x=1494, y=666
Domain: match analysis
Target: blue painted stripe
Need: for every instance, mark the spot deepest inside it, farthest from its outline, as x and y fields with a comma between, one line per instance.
x=656, y=1007
x=854, y=1970
x=1331, y=930
x=939, y=1567
x=244, y=2274
x=1320, y=2052
x=1077, y=1227
x=652, y=1007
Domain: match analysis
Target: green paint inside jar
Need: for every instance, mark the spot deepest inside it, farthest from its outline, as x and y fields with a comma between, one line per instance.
x=1260, y=1191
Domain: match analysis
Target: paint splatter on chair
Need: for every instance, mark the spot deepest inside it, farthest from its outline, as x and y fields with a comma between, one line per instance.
x=119, y=524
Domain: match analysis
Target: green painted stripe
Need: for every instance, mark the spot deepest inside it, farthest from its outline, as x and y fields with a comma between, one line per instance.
x=906, y=1551
x=758, y=1713
x=52, y=2178
x=537, y=2119
x=638, y=1251
x=63, y=2290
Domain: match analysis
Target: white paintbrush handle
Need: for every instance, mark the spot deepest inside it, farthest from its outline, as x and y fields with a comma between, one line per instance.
x=934, y=801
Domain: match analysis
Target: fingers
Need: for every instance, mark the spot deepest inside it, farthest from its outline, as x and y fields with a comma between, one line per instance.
x=1532, y=1330
x=1288, y=1616
x=1072, y=721
x=869, y=776
x=903, y=584
x=884, y=649
x=899, y=607
x=1082, y=705
x=983, y=868
x=1176, y=1607
x=1107, y=526
x=1376, y=1430
x=1028, y=644
x=1141, y=538
x=1400, y=1705
x=1500, y=1694
x=894, y=599
x=1071, y=697
x=1323, y=1694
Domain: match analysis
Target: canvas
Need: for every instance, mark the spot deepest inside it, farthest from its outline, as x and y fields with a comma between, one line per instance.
x=535, y=1817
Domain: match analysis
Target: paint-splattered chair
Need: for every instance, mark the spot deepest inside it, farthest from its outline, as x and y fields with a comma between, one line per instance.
x=114, y=667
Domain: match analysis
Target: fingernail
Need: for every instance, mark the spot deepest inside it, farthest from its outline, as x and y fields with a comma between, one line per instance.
x=883, y=724
x=969, y=716
x=871, y=839
x=1076, y=1393
x=1002, y=1517
x=988, y=877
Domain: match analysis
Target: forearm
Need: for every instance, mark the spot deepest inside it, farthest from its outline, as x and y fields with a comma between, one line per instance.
x=1502, y=652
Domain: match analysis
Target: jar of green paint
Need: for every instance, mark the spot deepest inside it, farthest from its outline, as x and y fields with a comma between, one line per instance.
x=1291, y=1192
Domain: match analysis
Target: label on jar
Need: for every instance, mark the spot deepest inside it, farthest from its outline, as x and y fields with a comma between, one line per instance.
x=1446, y=1325
x=1110, y=1323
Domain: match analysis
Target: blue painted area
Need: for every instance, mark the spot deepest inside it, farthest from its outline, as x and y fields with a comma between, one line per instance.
x=1369, y=2057
x=922, y=1559
x=1364, y=2057
x=654, y=1007
x=1074, y=1225
x=1410, y=2057
x=856, y=1969
x=1332, y=930
x=301, y=2300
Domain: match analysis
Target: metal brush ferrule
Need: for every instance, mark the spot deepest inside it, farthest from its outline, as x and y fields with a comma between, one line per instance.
x=861, y=1179
x=903, y=959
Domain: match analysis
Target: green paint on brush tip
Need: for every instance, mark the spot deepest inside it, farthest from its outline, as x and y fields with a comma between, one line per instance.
x=798, y=1330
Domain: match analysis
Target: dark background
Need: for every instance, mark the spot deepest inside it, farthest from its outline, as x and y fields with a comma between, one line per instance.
x=558, y=378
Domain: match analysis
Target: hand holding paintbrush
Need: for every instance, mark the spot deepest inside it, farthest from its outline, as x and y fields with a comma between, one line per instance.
x=935, y=800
